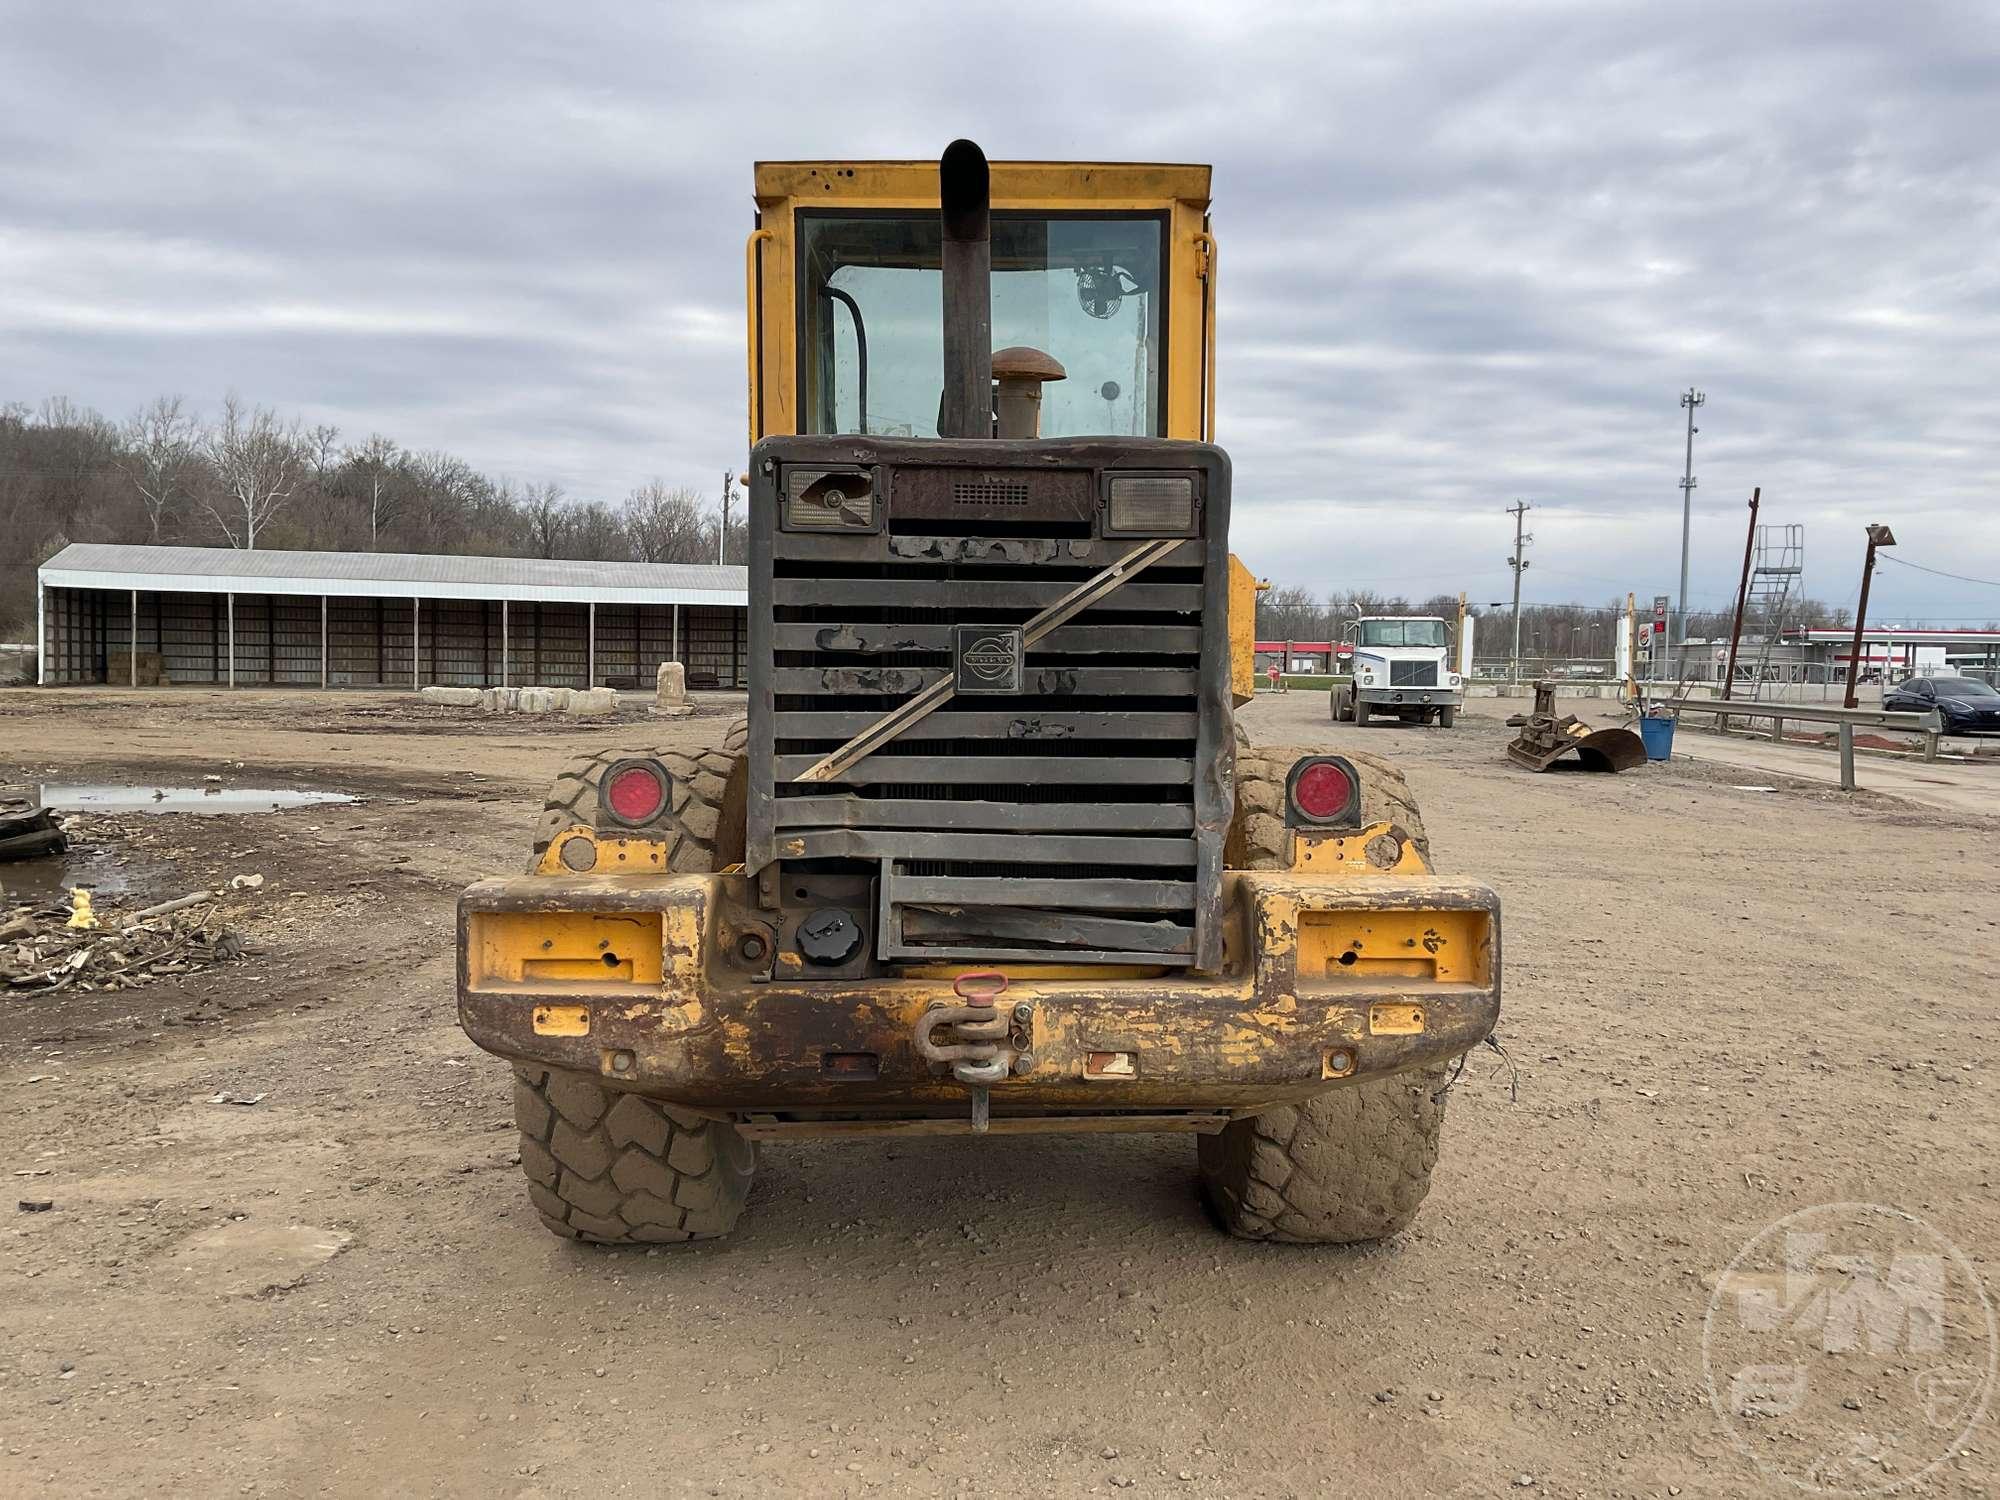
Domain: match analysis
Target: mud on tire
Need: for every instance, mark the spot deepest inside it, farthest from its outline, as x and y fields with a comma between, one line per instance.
x=1353, y=1163
x=617, y=1169
x=705, y=808
x=1257, y=833
x=1348, y=1165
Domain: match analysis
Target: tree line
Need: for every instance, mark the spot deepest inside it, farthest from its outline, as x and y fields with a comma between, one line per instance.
x=1548, y=631
x=245, y=475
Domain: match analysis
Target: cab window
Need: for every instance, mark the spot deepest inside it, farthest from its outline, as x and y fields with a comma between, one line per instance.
x=1402, y=633
x=1085, y=290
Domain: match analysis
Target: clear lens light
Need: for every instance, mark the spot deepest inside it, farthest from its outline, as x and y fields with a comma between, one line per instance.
x=1152, y=502
x=816, y=499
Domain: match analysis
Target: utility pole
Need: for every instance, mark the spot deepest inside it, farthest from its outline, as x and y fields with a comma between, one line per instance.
x=1878, y=536
x=1519, y=564
x=1743, y=595
x=722, y=536
x=1690, y=399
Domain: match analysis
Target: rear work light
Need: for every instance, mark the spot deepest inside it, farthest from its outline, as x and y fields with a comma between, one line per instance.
x=1324, y=792
x=1149, y=505
x=634, y=791
x=829, y=500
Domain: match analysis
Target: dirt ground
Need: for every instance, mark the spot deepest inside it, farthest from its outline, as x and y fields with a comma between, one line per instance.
x=1723, y=1006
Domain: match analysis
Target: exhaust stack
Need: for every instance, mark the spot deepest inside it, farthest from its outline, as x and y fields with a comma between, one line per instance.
x=964, y=210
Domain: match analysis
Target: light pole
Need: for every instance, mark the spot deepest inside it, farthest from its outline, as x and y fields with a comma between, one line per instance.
x=1878, y=536
x=1690, y=399
x=1519, y=564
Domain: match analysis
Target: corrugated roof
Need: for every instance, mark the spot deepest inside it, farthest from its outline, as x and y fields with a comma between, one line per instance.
x=401, y=574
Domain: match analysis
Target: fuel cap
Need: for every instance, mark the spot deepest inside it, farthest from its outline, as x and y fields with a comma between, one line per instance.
x=829, y=936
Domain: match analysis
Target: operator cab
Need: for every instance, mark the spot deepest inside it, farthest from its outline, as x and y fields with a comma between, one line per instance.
x=1082, y=291
x=1104, y=272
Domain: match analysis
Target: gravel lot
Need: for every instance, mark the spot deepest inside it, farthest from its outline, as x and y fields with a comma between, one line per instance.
x=1722, y=1006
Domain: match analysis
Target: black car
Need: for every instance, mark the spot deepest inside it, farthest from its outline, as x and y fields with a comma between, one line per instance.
x=1966, y=704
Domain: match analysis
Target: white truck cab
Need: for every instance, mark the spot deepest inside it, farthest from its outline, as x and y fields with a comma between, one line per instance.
x=1402, y=669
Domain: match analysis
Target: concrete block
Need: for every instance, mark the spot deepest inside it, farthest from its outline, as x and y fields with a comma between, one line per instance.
x=593, y=703
x=500, y=700
x=455, y=697
x=671, y=685
x=542, y=700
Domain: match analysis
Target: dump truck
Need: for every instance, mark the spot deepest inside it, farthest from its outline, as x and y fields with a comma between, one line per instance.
x=1401, y=669
x=989, y=854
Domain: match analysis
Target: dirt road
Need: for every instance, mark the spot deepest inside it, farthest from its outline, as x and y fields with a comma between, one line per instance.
x=1723, y=1006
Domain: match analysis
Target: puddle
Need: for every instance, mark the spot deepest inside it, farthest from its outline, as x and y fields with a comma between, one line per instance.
x=108, y=798
x=32, y=882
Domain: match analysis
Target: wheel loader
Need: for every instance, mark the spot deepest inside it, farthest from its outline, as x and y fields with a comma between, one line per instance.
x=989, y=854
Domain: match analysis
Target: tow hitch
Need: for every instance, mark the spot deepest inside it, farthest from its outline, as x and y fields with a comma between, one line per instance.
x=987, y=1044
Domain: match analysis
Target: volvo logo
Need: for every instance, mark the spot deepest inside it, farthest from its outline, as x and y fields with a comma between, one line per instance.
x=987, y=657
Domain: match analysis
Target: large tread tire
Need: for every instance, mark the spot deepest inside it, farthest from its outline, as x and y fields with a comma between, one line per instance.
x=1352, y=1164
x=705, y=813
x=1256, y=838
x=1361, y=714
x=613, y=1168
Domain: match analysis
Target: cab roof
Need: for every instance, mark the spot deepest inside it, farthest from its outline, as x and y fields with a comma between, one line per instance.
x=1015, y=184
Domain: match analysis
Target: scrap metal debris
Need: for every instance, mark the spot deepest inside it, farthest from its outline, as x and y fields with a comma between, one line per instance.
x=27, y=829
x=1547, y=737
x=41, y=951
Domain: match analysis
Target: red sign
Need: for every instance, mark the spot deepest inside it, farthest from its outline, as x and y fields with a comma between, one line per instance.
x=1659, y=627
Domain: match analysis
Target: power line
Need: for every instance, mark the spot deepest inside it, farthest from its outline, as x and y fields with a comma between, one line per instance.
x=1991, y=583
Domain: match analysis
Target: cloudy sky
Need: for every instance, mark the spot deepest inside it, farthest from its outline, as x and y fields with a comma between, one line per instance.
x=1471, y=252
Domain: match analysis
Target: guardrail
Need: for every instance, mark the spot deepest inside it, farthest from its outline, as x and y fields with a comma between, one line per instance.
x=1929, y=725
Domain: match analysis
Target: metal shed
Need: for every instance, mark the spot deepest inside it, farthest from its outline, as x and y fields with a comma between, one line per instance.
x=138, y=615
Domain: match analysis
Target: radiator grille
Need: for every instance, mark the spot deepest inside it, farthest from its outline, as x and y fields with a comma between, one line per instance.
x=1057, y=822
x=1413, y=674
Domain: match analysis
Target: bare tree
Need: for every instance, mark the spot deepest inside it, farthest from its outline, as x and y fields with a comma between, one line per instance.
x=595, y=531
x=548, y=516
x=160, y=447
x=1290, y=613
x=372, y=468
x=257, y=462
x=667, y=525
x=321, y=446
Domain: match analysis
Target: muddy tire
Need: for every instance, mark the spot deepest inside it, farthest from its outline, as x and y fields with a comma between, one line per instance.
x=705, y=814
x=1349, y=1165
x=616, y=1169
x=1447, y=717
x=1360, y=714
x=1354, y=1163
x=1256, y=838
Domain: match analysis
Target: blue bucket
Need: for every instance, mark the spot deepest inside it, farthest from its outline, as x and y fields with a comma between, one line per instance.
x=1659, y=737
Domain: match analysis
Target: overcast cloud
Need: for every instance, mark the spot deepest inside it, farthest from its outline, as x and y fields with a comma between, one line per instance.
x=1467, y=257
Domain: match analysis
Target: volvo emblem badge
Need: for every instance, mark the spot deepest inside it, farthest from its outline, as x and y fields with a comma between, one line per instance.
x=986, y=658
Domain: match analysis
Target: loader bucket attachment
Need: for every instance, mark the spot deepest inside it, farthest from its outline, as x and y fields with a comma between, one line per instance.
x=1546, y=738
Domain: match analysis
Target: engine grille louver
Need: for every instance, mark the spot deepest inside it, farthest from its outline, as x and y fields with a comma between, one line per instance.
x=1062, y=822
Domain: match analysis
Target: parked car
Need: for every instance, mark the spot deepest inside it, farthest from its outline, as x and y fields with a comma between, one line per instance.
x=1965, y=703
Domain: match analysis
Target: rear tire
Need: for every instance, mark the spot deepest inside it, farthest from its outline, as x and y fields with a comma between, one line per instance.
x=704, y=823
x=613, y=1168
x=1353, y=1163
x=618, y=1169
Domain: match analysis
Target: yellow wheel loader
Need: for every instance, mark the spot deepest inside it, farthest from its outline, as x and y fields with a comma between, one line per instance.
x=989, y=854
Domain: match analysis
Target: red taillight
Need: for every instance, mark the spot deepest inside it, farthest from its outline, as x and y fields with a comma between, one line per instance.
x=635, y=792
x=1323, y=791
